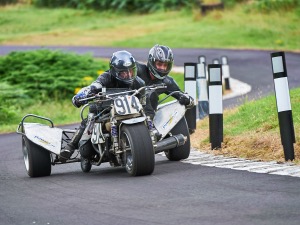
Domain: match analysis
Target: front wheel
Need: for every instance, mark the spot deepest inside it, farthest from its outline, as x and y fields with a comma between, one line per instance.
x=136, y=142
x=183, y=151
x=86, y=165
x=37, y=159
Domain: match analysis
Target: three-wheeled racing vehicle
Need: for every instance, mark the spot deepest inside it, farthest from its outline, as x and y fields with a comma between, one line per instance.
x=117, y=132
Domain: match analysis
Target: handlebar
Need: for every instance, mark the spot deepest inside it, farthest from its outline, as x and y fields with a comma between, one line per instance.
x=174, y=92
x=135, y=92
x=151, y=87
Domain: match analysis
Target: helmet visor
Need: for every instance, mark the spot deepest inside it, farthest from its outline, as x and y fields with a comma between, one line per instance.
x=163, y=67
x=126, y=75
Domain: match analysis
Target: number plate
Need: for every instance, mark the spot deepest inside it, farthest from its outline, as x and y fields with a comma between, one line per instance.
x=125, y=105
x=97, y=136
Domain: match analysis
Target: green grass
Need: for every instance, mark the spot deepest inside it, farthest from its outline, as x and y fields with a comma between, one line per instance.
x=60, y=113
x=262, y=113
x=252, y=130
x=232, y=28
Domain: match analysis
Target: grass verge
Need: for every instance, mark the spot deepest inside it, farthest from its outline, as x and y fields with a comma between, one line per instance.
x=251, y=131
x=236, y=28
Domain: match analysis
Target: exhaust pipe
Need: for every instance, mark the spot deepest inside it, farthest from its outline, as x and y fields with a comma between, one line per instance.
x=169, y=143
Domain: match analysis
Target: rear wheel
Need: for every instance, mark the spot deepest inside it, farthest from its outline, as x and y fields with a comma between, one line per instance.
x=37, y=159
x=183, y=151
x=139, y=156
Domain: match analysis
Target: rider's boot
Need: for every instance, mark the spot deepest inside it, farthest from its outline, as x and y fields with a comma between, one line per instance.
x=69, y=149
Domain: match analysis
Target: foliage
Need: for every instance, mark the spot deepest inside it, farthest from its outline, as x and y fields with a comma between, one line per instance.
x=11, y=99
x=231, y=3
x=48, y=74
x=6, y=2
x=274, y=5
x=141, y=6
x=42, y=75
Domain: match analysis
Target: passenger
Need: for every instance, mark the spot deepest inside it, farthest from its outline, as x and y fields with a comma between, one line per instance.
x=122, y=74
x=159, y=65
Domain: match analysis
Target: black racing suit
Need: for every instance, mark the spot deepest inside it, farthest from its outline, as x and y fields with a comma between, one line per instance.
x=108, y=81
x=144, y=73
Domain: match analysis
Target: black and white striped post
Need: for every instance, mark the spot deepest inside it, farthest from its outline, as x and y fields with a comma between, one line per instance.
x=216, y=61
x=201, y=59
x=190, y=86
x=225, y=72
x=202, y=90
x=215, y=105
x=283, y=102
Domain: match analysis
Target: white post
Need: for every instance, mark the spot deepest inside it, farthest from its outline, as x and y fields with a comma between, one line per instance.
x=225, y=72
x=190, y=87
x=202, y=90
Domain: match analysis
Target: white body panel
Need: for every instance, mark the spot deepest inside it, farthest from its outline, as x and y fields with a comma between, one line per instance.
x=44, y=136
x=167, y=116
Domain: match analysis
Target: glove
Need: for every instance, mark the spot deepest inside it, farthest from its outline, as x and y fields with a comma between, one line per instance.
x=76, y=98
x=186, y=100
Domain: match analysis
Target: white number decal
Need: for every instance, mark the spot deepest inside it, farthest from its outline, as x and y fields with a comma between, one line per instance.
x=127, y=105
x=97, y=136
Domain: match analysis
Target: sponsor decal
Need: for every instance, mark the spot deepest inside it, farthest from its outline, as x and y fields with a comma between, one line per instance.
x=44, y=141
x=170, y=120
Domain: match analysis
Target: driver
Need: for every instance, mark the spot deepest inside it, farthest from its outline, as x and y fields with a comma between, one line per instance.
x=122, y=74
x=159, y=65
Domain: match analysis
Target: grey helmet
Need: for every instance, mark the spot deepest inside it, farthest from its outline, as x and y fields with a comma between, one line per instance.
x=162, y=54
x=123, y=67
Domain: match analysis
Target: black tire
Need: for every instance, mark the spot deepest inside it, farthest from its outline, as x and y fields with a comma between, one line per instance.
x=140, y=158
x=183, y=151
x=37, y=159
x=86, y=165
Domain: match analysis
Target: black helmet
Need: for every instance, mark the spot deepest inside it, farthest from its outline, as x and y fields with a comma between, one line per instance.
x=160, y=61
x=123, y=67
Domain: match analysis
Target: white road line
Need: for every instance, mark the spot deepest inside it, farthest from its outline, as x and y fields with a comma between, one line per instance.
x=204, y=159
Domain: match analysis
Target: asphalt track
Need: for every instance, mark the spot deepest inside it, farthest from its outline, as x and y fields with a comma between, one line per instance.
x=176, y=193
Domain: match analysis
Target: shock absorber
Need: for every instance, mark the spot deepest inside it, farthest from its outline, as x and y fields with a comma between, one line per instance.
x=114, y=135
x=114, y=131
x=149, y=123
x=151, y=130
